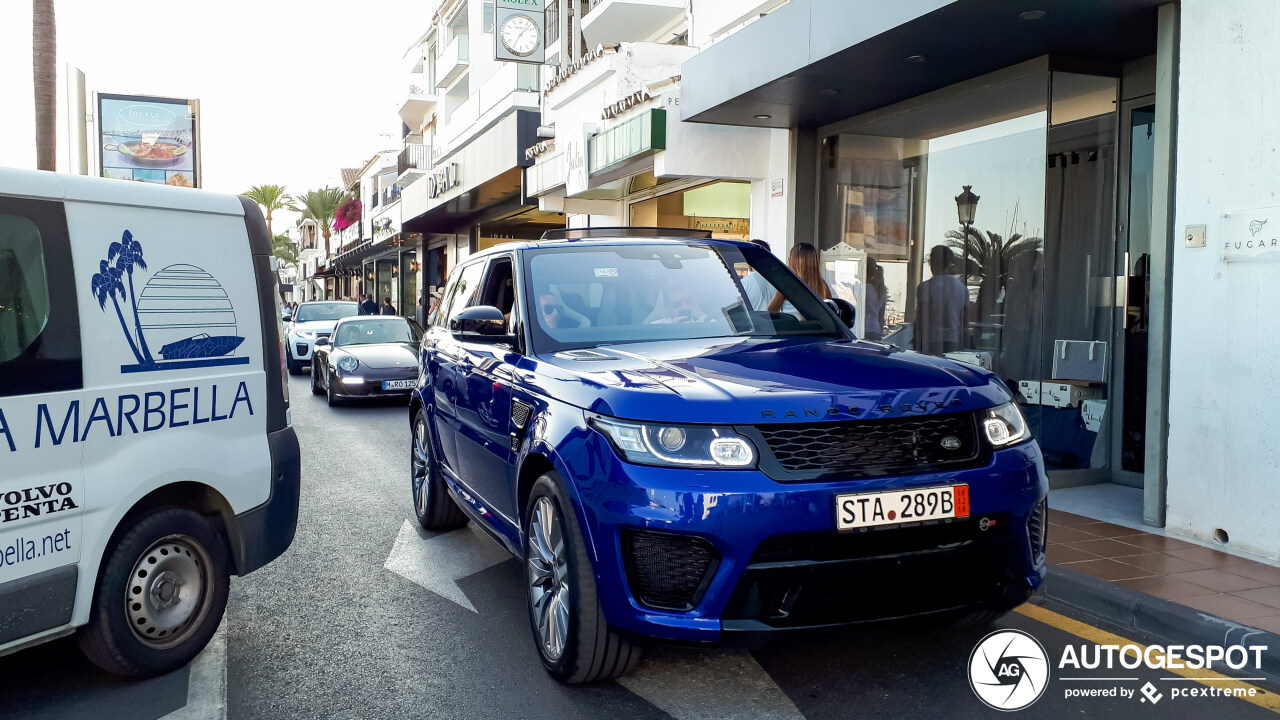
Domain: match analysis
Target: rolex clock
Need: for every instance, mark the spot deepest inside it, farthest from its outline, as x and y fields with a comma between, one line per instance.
x=520, y=35
x=518, y=32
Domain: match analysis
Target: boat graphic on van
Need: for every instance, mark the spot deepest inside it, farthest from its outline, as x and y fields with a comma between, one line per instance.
x=182, y=309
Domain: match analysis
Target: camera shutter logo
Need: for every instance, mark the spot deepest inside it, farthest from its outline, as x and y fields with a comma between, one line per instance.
x=1008, y=670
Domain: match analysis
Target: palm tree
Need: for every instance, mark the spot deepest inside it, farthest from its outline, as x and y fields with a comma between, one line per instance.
x=128, y=254
x=271, y=198
x=284, y=249
x=987, y=256
x=106, y=284
x=44, y=60
x=322, y=206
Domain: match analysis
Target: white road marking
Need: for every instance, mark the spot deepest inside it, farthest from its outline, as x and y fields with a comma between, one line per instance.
x=710, y=685
x=437, y=562
x=207, y=682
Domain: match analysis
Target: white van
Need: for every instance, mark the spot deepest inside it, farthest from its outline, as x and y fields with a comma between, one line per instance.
x=146, y=452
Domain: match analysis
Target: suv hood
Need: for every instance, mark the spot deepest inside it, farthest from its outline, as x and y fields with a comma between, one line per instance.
x=756, y=380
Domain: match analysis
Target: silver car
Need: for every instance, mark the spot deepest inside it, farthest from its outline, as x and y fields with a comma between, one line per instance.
x=313, y=320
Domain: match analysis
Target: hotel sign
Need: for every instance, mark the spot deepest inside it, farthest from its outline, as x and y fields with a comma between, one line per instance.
x=1251, y=235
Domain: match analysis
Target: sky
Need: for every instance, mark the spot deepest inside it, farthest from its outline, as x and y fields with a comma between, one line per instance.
x=290, y=90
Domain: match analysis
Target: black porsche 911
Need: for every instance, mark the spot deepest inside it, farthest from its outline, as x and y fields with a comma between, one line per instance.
x=367, y=356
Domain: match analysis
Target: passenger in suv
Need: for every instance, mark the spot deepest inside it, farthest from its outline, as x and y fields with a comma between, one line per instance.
x=676, y=464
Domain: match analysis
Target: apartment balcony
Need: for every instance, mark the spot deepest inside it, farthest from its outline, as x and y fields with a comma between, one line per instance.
x=419, y=103
x=452, y=60
x=414, y=162
x=613, y=21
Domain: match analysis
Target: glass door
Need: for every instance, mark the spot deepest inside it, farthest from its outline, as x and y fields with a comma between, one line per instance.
x=1133, y=231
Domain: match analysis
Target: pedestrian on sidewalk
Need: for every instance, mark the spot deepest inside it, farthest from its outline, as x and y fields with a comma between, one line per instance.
x=387, y=307
x=368, y=306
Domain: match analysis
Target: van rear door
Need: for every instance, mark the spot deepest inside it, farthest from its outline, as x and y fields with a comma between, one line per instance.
x=43, y=418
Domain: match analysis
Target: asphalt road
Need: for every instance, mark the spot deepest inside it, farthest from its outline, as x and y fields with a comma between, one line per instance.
x=362, y=618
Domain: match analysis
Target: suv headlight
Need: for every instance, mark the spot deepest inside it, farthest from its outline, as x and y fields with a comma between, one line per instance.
x=1005, y=425
x=306, y=335
x=712, y=446
x=347, y=363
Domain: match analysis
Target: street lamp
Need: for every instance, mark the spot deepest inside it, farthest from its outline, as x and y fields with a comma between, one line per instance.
x=967, y=207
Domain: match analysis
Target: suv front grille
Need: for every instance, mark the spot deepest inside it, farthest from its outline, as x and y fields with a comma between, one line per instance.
x=668, y=572
x=866, y=448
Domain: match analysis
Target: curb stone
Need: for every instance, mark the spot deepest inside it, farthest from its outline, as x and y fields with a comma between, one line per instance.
x=1172, y=623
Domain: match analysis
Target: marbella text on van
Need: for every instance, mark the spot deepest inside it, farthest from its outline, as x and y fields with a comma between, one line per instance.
x=149, y=411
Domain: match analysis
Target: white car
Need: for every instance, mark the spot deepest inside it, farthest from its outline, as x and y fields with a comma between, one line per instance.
x=144, y=415
x=311, y=321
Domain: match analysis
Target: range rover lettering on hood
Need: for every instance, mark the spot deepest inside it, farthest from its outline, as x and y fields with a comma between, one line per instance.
x=838, y=410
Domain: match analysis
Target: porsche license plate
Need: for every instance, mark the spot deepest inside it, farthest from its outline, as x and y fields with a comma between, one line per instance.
x=398, y=384
x=896, y=507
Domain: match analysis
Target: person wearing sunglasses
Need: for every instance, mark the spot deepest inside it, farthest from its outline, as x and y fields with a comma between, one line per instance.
x=552, y=312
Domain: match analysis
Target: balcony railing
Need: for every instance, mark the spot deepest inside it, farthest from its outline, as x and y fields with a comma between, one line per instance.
x=414, y=156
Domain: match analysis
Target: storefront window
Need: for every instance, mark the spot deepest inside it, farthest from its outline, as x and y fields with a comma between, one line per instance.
x=722, y=207
x=408, y=302
x=967, y=224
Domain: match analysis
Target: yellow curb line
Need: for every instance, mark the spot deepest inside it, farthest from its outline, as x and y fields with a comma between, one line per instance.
x=1262, y=699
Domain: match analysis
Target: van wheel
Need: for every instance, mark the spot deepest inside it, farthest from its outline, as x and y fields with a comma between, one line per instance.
x=315, y=380
x=160, y=597
x=573, y=639
x=432, y=505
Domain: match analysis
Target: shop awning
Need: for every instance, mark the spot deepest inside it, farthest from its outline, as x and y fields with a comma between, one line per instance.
x=828, y=60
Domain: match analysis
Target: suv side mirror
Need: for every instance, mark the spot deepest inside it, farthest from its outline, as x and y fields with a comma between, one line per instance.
x=843, y=309
x=480, y=323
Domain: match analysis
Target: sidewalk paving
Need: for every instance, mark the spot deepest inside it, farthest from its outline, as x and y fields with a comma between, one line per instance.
x=1224, y=585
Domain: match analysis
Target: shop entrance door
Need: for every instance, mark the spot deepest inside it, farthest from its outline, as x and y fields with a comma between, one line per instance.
x=1133, y=283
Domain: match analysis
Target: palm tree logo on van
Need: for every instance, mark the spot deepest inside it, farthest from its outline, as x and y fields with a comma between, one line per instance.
x=182, y=307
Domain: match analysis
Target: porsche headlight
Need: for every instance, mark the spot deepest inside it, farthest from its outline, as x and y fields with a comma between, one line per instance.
x=1005, y=425
x=347, y=363
x=671, y=445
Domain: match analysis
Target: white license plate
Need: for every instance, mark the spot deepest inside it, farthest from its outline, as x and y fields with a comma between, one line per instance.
x=398, y=384
x=896, y=507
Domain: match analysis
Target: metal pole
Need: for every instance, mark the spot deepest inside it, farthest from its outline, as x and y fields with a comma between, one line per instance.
x=77, y=123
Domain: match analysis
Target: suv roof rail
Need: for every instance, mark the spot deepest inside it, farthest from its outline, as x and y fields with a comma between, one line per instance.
x=623, y=232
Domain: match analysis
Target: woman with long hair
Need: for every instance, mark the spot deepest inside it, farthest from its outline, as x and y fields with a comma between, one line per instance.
x=804, y=262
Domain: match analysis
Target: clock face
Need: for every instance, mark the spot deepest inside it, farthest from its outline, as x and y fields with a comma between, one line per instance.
x=520, y=35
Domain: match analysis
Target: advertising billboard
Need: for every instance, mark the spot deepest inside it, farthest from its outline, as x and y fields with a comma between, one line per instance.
x=148, y=139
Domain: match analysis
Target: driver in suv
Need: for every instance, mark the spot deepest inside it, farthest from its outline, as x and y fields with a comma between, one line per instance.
x=670, y=462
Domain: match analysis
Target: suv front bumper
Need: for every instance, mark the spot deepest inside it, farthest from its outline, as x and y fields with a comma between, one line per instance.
x=766, y=555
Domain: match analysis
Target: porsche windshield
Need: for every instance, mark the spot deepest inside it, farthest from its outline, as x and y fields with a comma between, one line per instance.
x=581, y=296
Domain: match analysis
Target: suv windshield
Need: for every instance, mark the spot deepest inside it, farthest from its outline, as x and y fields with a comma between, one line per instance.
x=369, y=332
x=587, y=296
x=314, y=312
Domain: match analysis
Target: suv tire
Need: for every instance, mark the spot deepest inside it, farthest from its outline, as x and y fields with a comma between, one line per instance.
x=432, y=505
x=295, y=366
x=160, y=597
x=561, y=590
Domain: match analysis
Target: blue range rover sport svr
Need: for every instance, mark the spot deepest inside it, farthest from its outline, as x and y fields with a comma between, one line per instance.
x=675, y=453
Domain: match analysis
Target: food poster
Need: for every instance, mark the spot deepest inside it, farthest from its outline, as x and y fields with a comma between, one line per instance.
x=147, y=140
